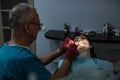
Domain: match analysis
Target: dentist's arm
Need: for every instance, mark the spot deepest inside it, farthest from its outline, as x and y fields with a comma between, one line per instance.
x=47, y=58
x=64, y=69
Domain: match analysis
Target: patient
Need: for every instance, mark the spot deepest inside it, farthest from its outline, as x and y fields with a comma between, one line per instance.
x=86, y=64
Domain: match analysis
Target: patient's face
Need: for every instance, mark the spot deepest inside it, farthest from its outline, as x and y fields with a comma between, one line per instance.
x=82, y=42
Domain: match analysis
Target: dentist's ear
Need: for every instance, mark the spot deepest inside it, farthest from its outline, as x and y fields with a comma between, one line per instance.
x=27, y=28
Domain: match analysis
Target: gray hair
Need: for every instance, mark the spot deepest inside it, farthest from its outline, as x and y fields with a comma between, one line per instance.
x=19, y=13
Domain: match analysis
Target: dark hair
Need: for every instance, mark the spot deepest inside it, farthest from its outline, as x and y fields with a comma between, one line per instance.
x=20, y=11
x=92, y=52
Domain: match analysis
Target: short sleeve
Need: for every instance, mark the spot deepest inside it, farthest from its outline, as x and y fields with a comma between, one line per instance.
x=33, y=68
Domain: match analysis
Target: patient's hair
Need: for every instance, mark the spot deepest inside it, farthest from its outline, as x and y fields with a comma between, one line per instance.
x=92, y=52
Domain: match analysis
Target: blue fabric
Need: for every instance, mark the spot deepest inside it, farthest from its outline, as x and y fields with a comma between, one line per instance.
x=18, y=63
x=89, y=67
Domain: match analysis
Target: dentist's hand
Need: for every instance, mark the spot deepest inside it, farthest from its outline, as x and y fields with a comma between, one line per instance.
x=66, y=44
x=71, y=53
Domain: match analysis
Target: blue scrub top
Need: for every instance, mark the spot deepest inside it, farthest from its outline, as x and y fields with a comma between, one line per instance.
x=18, y=63
x=89, y=68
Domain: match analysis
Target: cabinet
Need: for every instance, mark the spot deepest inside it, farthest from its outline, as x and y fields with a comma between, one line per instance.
x=5, y=7
x=109, y=51
x=105, y=47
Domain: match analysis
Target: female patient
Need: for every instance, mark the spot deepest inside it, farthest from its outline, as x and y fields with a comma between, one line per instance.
x=86, y=64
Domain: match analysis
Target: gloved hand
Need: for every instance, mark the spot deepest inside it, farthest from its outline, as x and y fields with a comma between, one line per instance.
x=71, y=53
x=65, y=45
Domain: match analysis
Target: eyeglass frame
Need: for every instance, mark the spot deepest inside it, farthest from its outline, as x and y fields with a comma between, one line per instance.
x=40, y=24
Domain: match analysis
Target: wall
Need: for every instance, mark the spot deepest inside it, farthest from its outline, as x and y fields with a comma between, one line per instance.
x=86, y=14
